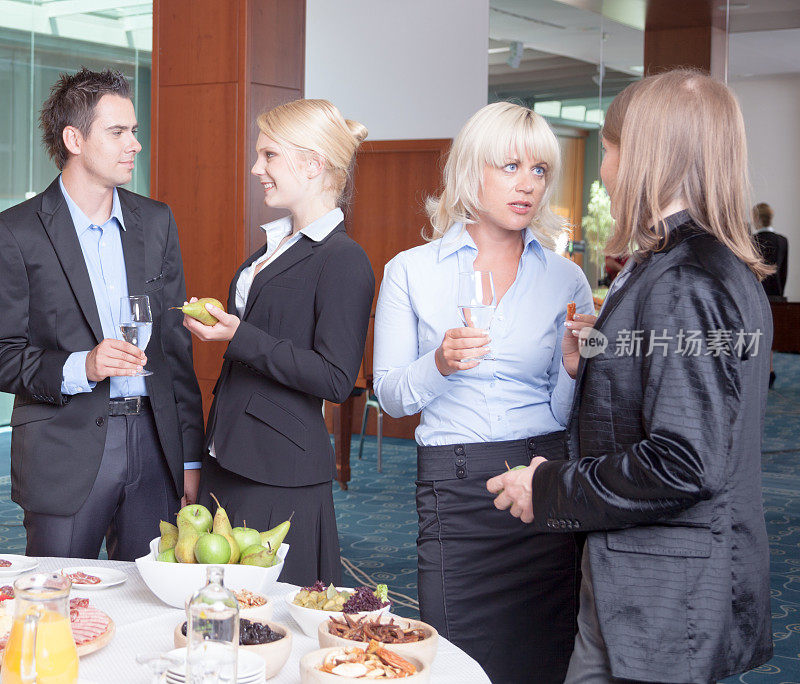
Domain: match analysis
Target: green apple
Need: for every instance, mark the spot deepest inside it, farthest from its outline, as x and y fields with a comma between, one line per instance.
x=246, y=536
x=167, y=556
x=212, y=548
x=197, y=516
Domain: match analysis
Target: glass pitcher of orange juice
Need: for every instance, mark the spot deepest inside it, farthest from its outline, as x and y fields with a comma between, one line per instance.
x=40, y=648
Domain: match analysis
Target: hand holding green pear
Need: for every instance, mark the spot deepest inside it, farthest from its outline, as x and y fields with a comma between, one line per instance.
x=198, y=311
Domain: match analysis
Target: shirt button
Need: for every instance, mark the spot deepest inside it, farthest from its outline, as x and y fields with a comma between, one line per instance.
x=99, y=421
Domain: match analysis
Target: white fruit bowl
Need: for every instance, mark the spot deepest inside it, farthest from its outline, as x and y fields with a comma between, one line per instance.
x=173, y=583
x=309, y=619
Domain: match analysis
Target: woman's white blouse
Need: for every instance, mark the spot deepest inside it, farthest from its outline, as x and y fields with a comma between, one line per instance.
x=524, y=392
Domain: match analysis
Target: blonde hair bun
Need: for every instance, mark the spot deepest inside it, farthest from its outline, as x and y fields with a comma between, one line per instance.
x=358, y=130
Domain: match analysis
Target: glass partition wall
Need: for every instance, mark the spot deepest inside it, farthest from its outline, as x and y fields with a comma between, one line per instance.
x=39, y=39
x=567, y=59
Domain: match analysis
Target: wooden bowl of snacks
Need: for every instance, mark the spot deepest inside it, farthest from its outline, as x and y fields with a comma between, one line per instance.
x=314, y=605
x=274, y=653
x=408, y=638
x=347, y=666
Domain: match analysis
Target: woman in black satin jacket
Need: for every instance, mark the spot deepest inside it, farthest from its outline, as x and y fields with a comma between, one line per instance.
x=665, y=433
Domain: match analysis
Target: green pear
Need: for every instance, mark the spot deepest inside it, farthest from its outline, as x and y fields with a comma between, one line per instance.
x=169, y=536
x=222, y=525
x=187, y=538
x=273, y=538
x=167, y=556
x=257, y=555
x=198, y=310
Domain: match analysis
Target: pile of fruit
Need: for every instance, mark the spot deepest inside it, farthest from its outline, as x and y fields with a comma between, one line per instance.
x=199, y=538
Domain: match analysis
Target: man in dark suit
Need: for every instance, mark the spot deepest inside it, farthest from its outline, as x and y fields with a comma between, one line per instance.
x=774, y=247
x=96, y=450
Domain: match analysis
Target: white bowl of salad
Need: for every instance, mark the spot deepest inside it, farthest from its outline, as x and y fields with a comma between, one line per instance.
x=311, y=606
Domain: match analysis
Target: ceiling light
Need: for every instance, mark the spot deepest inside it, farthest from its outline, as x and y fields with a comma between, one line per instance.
x=497, y=51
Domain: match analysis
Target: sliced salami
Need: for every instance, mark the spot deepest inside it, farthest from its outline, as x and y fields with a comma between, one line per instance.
x=89, y=624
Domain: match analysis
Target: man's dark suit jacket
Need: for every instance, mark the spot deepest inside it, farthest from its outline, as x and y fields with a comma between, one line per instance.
x=665, y=471
x=775, y=250
x=48, y=310
x=300, y=340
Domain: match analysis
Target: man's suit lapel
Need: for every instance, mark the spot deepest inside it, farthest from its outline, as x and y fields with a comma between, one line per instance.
x=132, y=244
x=57, y=222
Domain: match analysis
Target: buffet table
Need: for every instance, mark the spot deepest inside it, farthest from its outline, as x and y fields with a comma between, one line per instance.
x=144, y=625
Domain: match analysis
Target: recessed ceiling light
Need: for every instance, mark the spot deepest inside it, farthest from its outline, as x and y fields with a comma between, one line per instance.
x=498, y=50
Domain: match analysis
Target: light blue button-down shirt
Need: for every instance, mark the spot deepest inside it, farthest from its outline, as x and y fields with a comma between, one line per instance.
x=524, y=392
x=105, y=261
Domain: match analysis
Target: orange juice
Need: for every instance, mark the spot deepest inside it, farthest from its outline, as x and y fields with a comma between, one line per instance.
x=56, y=655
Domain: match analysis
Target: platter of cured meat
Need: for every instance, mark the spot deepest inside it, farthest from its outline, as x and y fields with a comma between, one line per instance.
x=93, y=577
x=91, y=628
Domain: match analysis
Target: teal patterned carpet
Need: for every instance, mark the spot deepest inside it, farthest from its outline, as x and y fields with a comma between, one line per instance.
x=377, y=521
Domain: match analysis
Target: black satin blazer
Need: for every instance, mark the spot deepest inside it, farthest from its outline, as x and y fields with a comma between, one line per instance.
x=665, y=467
x=300, y=340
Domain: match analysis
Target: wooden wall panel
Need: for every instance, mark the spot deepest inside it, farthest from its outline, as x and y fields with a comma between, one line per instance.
x=686, y=33
x=392, y=180
x=215, y=66
x=198, y=41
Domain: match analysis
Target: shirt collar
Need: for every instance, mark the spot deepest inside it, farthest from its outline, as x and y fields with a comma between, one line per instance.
x=82, y=222
x=316, y=230
x=458, y=237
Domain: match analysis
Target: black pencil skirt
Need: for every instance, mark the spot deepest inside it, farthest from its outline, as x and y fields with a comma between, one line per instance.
x=504, y=593
x=313, y=538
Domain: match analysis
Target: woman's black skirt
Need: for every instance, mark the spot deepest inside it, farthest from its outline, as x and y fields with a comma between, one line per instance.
x=314, y=541
x=499, y=590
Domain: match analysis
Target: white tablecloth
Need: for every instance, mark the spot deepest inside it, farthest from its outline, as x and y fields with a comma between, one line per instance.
x=145, y=625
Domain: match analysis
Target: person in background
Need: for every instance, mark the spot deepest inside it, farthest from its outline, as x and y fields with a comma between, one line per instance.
x=299, y=309
x=774, y=247
x=486, y=581
x=665, y=433
x=95, y=451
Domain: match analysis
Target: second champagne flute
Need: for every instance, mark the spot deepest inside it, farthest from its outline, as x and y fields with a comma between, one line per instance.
x=136, y=323
x=476, y=302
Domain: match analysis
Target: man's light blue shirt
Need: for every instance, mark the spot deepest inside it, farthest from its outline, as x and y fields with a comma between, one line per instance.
x=524, y=392
x=105, y=261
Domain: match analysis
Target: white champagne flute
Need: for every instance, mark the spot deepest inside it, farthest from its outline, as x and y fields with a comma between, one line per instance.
x=476, y=301
x=136, y=323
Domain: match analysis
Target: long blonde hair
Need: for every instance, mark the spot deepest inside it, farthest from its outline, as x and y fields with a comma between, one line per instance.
x=318, y=126
x=492, y=134
x=683, y=138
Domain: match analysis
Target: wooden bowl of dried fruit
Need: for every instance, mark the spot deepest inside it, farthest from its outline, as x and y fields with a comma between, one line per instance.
x=406, y=637
x=354, y=664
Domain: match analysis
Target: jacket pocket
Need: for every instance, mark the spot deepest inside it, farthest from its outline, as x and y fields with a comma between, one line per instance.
x=29, y=413
x=662, y=540
x=278, y=418
x=154, y=284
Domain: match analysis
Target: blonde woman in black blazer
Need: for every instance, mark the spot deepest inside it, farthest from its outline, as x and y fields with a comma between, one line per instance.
x=299, y=309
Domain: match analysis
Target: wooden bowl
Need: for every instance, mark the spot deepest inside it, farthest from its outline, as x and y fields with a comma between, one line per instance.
x=275, y=654
x=424, y=650
x=310, y=674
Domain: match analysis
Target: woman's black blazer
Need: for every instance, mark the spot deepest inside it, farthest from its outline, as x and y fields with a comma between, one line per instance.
x=300, y=340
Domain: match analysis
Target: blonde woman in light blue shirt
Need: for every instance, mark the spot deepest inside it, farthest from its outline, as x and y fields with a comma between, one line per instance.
x=487, y=581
